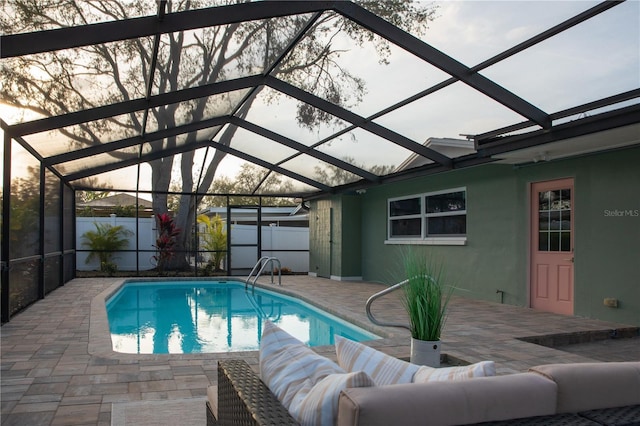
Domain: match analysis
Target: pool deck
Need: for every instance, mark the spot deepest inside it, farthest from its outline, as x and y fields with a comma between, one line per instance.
x=56, y=368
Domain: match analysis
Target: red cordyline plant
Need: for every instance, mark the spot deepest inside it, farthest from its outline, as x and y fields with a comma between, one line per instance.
x=166, y=241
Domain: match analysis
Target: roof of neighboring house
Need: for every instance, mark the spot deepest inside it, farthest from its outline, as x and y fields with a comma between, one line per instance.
x=452, y=148
x=117, y=200
x=284, y=213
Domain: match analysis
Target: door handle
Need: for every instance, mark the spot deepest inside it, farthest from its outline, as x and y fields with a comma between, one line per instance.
x=569, y=260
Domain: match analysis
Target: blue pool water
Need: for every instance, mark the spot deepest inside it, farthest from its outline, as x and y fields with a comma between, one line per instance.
x=180, y=317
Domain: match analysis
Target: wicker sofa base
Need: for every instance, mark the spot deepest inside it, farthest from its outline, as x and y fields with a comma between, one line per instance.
x=243, y=399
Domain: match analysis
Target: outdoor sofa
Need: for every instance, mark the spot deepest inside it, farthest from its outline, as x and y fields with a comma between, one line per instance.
x=606, y=393
x=367, y=387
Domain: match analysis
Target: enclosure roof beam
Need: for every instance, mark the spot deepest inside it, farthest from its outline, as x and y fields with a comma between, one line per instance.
x=270, y=166
x=135, y=140
x=584, y=126
x=484, y=138
x=303, y=149
x=357, y=120
x=126, y=107
x=444, y=62
x=190, y=147
x=12, y=45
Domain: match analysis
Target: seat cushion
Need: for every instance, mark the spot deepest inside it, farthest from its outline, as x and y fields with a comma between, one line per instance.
x=449, y=403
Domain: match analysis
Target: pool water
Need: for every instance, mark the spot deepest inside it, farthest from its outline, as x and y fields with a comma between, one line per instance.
x=182, y=317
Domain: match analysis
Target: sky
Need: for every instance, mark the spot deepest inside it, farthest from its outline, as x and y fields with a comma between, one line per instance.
x=590, y=61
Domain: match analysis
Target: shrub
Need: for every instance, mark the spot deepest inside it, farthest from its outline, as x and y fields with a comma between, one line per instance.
x=104, y=242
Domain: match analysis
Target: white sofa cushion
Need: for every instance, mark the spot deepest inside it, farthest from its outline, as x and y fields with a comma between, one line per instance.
x=320, y=406
x=382, y=368
x=307, y=384
x=480, y=369
x=290, y=368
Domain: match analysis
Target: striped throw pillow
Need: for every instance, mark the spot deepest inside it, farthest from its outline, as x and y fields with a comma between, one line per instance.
x=382, y=368
x=288, y=367
x=320, y=406
x=429, y=374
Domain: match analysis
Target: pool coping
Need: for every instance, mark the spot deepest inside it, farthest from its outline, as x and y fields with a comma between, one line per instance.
x=100, y=344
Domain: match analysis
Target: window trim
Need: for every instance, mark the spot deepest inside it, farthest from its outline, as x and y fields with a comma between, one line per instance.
x=424, y=216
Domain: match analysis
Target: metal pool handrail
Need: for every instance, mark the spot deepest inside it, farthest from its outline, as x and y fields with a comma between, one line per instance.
x=267, y=260
x=377, y=296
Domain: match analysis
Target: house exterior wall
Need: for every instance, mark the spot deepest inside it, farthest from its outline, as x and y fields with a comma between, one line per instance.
x=335, y=233
x=496, y=254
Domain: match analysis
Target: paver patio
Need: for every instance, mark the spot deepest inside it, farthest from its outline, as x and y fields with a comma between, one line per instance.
x=56, y=369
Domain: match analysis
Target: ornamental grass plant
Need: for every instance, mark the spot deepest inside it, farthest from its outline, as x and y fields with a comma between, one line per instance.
x=425, y=295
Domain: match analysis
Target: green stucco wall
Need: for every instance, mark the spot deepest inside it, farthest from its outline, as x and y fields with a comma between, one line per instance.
x=607, y=246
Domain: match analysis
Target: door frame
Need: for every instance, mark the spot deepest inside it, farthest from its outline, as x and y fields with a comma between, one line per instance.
x=533, y=189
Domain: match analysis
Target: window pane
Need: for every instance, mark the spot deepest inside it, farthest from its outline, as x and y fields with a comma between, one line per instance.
x=406, y=228
x=543, y=221
x=554, y=220
x=554, y=241
x=565, y=241
x=543, y=241
x=404, y=207
x=565, y=217
x=543, y=198
x=453, y=201
x=447, y=225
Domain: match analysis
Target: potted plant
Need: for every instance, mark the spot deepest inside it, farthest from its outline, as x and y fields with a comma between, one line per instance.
x=425, y=298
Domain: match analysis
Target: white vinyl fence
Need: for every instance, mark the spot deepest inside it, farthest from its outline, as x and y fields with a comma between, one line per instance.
x=276, y=241
x=126, y=261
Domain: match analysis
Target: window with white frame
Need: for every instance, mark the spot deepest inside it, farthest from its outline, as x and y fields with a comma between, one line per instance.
x=440, y=214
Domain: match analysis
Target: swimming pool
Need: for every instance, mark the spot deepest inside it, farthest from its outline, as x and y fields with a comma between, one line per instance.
x=182, y=317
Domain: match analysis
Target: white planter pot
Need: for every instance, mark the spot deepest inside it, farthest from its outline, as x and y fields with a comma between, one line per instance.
x=424, y=352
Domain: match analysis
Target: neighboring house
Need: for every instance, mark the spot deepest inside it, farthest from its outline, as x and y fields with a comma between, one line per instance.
x=297, y=216
x=108, y=205
x=555, y=227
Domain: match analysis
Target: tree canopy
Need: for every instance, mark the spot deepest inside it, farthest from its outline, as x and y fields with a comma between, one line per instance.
x=71, y=80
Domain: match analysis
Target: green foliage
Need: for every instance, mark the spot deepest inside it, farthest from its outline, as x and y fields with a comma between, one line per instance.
x=334, y=175
x=425, y=296
x=246, y=181
x=104, y=242
x=109, y=267
x=214, y=239
x=120, y=211
x=125, y=211
x=87, y=196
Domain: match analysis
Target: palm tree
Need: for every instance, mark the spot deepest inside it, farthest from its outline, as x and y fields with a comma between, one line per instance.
x=104, y=242
x=214, y=239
